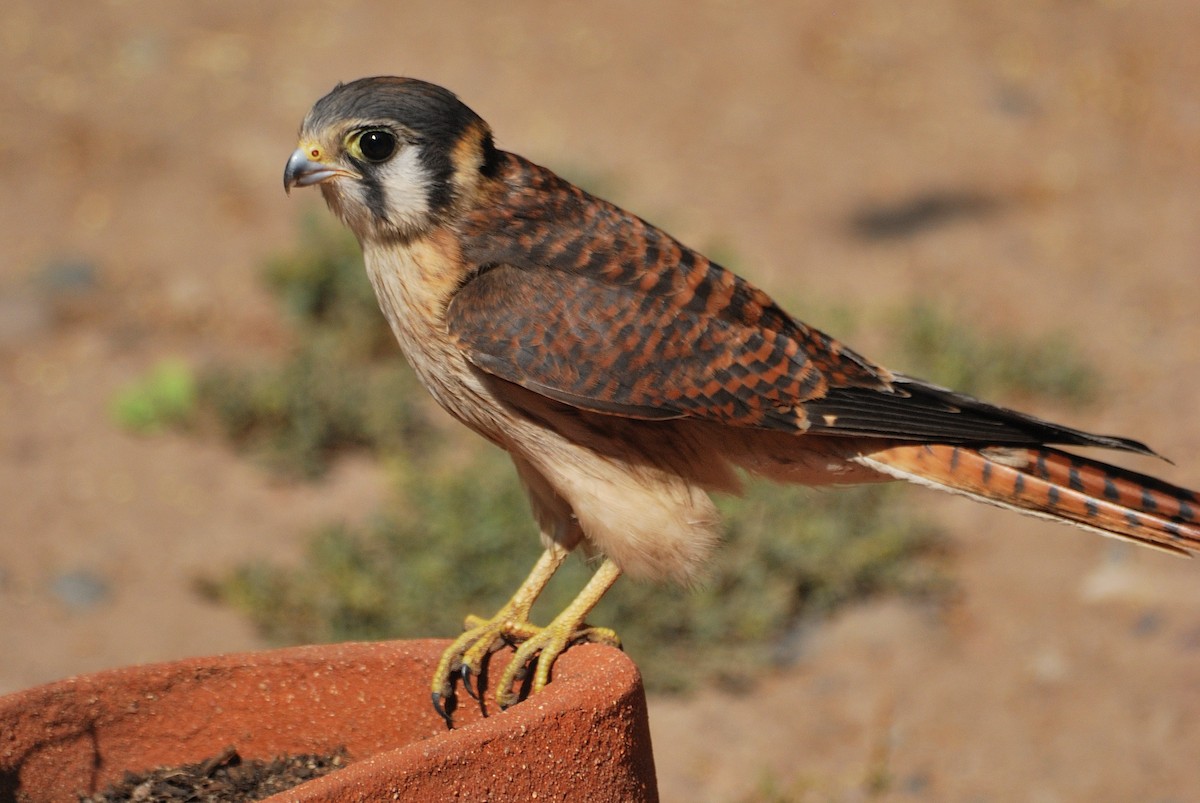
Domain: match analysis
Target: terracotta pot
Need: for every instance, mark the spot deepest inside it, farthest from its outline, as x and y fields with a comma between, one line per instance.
x=586, y=737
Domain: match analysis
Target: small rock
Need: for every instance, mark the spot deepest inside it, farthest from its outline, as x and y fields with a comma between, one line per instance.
x=916, y=784
x=80, y=589
x=1148, y=624
x=68, y=276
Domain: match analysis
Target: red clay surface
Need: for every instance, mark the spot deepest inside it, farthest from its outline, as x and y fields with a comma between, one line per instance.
x=586, y=739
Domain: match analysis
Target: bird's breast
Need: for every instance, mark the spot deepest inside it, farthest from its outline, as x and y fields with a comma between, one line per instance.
x=414, y=283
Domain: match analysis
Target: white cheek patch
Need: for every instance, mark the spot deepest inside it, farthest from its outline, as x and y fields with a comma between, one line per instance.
x=406, y=187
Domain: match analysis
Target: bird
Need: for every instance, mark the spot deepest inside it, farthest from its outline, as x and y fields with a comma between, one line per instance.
x=629, y=377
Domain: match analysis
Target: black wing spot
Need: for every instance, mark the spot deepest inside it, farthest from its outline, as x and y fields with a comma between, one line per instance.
x=1110, y=490
x=1074, y=480
x=1148, y=503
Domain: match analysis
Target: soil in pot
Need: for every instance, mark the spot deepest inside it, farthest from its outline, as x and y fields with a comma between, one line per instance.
x=224, y=777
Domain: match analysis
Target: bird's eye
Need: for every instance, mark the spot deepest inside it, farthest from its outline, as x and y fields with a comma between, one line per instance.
x=376, y=145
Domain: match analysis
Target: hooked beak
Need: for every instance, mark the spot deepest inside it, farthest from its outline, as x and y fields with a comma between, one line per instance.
x=301, y=171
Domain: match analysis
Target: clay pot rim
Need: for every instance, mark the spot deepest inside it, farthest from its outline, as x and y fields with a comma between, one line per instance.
x=339, y=682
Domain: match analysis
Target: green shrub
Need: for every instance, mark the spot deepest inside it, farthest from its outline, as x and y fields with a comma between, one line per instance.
x=321, y=400
x=343, y=385
x=165, y=397
x=324, y=288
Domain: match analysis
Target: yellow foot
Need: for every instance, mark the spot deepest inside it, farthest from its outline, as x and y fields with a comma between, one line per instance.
x=510, y=625
x=465, y=656
x=547, y=644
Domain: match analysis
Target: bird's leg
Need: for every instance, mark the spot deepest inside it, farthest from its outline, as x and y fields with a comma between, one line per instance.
x=482, y=636
x=567, y=628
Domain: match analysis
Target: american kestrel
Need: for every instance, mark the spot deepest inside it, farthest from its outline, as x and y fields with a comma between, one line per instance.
x=628, y=376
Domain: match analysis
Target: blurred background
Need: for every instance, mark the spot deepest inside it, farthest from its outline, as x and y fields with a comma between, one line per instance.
x=998, y=195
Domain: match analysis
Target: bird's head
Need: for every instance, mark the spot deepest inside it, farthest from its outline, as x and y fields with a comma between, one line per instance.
x=394, y=156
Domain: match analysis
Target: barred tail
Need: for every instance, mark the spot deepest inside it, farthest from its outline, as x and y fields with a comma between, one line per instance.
x=1056, y=485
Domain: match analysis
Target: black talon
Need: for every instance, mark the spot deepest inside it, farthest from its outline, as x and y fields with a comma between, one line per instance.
x=465, y=673
x=442, y=712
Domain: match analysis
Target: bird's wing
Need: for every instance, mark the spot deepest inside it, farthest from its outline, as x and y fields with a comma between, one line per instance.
x=647, y=353
x=612, y=348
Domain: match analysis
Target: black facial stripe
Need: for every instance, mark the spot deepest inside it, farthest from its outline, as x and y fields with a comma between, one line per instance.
x=373, y=192
x=437, y=165
x=491, y=157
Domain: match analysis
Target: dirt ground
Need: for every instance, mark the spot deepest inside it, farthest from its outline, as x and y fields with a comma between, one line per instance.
x=141, y=150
